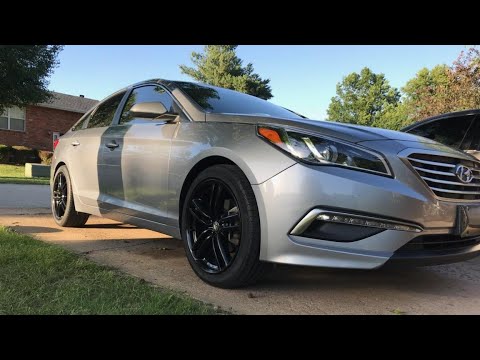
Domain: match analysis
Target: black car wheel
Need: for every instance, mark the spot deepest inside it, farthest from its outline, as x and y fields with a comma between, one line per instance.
x=63, y=207
x=221, y=228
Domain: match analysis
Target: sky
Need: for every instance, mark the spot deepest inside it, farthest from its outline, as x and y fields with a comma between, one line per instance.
x=303, y=78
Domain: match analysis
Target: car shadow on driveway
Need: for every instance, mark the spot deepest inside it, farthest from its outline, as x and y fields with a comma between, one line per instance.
x=109, y=226
x=434, y=280
x=32, y=230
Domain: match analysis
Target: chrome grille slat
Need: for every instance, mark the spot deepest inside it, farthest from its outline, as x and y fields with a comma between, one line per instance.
x=433, y=163
x=434, y=171
x=455, y=191
x=449, y=182
x=438, y=172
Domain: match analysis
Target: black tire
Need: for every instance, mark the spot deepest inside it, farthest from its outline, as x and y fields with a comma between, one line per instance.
x=244, y=267
x=63, y=207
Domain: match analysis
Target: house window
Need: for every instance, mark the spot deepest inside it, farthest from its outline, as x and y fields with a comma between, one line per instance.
x=13, y=119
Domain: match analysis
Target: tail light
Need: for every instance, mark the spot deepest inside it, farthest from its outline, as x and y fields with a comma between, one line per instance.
x=55, y=143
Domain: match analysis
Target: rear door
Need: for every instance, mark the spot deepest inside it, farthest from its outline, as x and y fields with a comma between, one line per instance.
x=136, y=155
x=86, y=154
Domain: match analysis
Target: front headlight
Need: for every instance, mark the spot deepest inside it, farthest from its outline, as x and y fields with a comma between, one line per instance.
x=319, y=150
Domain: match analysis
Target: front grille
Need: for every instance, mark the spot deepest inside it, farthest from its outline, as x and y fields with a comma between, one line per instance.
x=439, y=174
x=438, y=243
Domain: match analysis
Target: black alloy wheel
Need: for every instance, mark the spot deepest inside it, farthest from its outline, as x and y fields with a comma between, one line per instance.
x=63, y=206
x=60, y=195
x=214, y=226
x=220, y=227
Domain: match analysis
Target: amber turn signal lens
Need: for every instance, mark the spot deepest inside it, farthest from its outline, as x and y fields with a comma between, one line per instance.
x=270, y=134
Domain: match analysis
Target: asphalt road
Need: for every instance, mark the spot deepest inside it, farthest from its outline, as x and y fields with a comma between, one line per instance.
x=24, y=199
x=447, y=289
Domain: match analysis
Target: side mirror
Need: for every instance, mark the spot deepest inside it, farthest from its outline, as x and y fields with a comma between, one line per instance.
x=148, y=110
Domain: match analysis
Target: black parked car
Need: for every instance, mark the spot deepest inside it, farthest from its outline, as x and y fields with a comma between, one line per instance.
x=460, y=130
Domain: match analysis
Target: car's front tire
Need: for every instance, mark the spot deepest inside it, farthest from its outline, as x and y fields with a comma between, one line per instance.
x=63, y=207
x=221, y=228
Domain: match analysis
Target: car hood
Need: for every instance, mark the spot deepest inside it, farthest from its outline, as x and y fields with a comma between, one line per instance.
x=383, y=140
x=347, y=132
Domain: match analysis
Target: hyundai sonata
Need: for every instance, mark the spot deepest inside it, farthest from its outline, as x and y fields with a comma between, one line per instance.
x=245, y=182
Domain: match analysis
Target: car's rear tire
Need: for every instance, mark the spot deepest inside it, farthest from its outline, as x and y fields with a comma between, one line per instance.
x=63, y=207
x=221, y=228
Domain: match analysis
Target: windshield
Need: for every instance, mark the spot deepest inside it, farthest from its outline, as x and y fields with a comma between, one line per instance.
x=219, y=100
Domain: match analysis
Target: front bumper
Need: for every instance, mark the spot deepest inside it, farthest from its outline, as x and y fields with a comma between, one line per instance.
x=287, y=197
x=450, y=251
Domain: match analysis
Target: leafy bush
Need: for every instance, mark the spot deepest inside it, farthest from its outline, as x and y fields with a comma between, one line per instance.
x=18, y=155
x=45, y=157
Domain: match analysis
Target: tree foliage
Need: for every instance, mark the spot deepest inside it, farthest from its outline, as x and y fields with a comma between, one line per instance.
x=363, y=99
x=367, y=99
x=445, y=88
x=24, y=73
x=219, y=65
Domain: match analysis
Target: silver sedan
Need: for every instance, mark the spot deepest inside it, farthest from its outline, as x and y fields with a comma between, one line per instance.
x=245, y=183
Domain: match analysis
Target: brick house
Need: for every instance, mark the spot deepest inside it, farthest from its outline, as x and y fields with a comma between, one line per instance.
x=36, y=126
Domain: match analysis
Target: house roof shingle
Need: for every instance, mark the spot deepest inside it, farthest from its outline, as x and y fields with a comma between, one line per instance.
x=69, y=103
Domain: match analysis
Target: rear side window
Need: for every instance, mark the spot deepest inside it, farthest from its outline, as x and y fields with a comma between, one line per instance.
x=452, y=131
x=104, y=113
x=81, y=123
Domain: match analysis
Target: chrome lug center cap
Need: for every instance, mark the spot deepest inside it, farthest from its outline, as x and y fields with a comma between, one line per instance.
x=216, y=226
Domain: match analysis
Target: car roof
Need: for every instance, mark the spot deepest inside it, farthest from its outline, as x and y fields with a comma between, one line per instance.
x=441, y=116
x=169, y=84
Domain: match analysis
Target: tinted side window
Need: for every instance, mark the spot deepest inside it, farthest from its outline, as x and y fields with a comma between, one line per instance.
x=104, y=114
x=473, y=142
x=146, y=94
x=449, y=131
x=81, y=123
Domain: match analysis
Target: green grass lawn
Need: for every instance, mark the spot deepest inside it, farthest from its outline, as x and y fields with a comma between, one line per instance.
x=15, y=174
x=40, y=278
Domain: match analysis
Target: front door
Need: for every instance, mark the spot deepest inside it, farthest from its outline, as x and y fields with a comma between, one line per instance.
x=136, y=159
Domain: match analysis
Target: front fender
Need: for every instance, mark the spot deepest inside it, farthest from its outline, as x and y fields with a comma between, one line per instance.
x=238, y=143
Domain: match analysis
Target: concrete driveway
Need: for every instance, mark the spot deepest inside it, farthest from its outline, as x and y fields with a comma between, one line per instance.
x=448, y=289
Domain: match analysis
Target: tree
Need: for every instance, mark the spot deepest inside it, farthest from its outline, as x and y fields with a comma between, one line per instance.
x=219, y=65
x=426, y=80
x=363, y=99
x=24, y=72
x=444, y=88
x=395, y=117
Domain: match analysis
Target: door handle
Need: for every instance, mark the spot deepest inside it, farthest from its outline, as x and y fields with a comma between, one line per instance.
x=112, y=145
x=75, y=143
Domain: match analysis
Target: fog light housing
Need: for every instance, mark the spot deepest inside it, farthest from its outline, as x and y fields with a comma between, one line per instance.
x=346, y=227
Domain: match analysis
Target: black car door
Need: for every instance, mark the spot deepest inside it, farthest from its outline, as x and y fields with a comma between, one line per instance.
x=459, y=132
